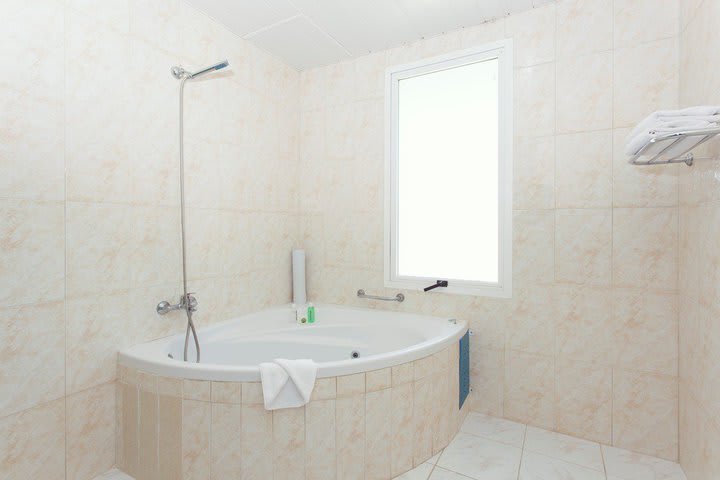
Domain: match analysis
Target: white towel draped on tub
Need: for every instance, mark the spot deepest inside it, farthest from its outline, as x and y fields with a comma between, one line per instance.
x=287, y=383
x=671, y=121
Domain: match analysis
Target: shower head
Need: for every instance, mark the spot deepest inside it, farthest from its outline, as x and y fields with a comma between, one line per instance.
x=180, y=72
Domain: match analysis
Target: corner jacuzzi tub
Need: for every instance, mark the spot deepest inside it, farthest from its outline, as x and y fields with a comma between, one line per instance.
x=386, y=398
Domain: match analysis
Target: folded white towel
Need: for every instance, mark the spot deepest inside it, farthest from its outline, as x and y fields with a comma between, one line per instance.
x=287, y=383
x=670, y=121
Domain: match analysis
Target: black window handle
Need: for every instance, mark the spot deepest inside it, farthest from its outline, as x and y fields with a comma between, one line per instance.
x=439, y=283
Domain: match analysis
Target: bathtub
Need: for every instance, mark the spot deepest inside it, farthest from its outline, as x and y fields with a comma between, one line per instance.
x=343, y=341
x=375, y=414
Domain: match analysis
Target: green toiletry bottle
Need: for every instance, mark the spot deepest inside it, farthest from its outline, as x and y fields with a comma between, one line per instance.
x=311, y=313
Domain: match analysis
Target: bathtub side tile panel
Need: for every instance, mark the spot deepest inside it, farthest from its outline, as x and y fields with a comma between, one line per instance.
x=378, y=439
x=422, y=413
x=226, y=441
x=196, y=424
x=256, y=445
x=130, y=418
x=148, y=436
x=289, y=443
x=402, y=429
x=350, y=437
x=170, y=436
x=320, y=458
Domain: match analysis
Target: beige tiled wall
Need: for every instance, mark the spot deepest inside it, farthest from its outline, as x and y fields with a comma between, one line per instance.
x=699, y=259
x=89, y=205
x=588, y=345
x=354, y=427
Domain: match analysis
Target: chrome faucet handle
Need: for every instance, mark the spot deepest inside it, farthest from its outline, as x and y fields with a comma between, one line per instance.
x=187, y=302
x=165, y=307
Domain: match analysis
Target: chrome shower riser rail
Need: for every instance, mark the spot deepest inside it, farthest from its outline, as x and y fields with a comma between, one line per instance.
x=187, y=301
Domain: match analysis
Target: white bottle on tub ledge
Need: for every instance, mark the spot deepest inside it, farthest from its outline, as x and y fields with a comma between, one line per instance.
x=304, y=314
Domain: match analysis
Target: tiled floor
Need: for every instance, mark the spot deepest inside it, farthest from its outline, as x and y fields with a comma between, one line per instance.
x=489, y=448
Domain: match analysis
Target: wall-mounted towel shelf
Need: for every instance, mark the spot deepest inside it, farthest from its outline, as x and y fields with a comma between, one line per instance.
x=667, y=148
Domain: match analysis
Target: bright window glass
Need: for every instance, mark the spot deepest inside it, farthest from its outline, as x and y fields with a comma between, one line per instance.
x=448, y=174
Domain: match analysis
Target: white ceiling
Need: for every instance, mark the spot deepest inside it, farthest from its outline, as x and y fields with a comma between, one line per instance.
x=310, y=33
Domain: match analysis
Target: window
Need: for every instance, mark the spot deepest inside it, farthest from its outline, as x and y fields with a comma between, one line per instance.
x=449, y=172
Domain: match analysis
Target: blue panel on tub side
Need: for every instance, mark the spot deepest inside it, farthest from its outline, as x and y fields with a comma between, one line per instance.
x=464, y=367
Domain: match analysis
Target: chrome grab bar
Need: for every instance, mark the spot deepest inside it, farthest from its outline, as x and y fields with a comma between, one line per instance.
x=397, y=298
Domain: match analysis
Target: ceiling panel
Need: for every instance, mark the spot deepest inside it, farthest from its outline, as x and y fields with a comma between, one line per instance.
x=361, y=26
x=310, y=33
x=246, y=16
x=431, y=17
x=300, y=43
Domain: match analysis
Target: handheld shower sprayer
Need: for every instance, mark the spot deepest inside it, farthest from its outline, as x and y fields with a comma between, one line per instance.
x=179, y=72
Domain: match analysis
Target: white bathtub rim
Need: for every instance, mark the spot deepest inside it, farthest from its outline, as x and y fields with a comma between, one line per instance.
x=144, y=357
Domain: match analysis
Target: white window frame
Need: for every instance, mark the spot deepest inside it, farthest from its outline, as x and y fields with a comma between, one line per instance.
x=503, y=51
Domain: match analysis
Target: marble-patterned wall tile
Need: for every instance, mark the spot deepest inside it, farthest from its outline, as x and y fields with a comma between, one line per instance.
x=33, y=442
x=32, y=268
x=533, y=34
x=530, y=388
x=583, y=170
x=487, y=374
x=31, y=152
x=584, y=26
x=91, y=432
x=645, y=79
x=534, y=172
x=645, y=413
x=655, y=186
x=32, y=342
x=627, y=13
x=586, y=102
x=645, y=329
x=584, y=400
x=533, y=248
x=637, y=262
x=535, y=100
x=583, y=246
x=531, y=325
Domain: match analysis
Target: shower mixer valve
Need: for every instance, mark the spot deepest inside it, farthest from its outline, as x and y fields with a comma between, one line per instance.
x=187, y=302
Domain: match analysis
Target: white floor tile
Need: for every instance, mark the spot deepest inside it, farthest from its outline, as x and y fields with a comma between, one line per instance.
x=564, y=447
x=493, y=428
x=625, y=465
x=442, y=474
x=421, y=472
x=480, y=458
x=539, y=467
